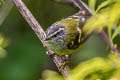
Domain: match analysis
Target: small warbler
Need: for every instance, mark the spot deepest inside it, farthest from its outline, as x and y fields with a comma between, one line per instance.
x=64, y=36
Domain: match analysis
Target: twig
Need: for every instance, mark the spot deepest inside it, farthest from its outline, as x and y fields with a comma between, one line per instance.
x=58, y=60
x=82, y=6
x=105, y=37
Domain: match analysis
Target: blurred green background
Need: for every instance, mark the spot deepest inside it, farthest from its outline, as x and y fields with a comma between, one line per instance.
x=25, y=57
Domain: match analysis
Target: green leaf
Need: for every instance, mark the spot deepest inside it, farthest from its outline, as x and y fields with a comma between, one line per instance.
x=110, y=33
x=92, y=4
x=2, y=2
x=5, y=7
x=105, y=3
x=116, y=32
x=108, y=16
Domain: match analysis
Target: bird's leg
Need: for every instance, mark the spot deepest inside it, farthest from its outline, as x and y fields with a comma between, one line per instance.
x=64, y=61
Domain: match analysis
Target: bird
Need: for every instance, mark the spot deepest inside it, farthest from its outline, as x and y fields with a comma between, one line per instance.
x=64, y=36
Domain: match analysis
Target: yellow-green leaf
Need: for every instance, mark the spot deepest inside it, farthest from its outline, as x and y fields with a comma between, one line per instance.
x=92, y=4
x=2, y=2
x=105, y=3
x=116, y=32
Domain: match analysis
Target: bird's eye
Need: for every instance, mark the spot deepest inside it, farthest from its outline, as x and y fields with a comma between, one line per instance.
x=54, y=32
x=55, y=35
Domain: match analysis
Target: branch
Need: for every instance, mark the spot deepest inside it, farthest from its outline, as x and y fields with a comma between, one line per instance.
x=105, y=37
x=58, y=60
x=82, y=6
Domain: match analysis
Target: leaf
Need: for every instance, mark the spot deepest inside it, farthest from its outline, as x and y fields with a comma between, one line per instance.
x=5, y=7
x=2, y=2
x=117, y=31
x=108, y=16
x=3, y=53
x=105, y=3
x=92, y=4
x=94, y=69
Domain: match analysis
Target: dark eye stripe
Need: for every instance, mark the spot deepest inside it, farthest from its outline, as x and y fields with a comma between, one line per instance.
x=54, y=30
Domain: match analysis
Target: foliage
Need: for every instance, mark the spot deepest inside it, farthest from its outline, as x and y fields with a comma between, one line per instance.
x=95, y=69
x=5, y=7
x=92, y=4
x=106, y=17
x=3, y=44
x=105, y=3
x=116, y=32
x=2, y=2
